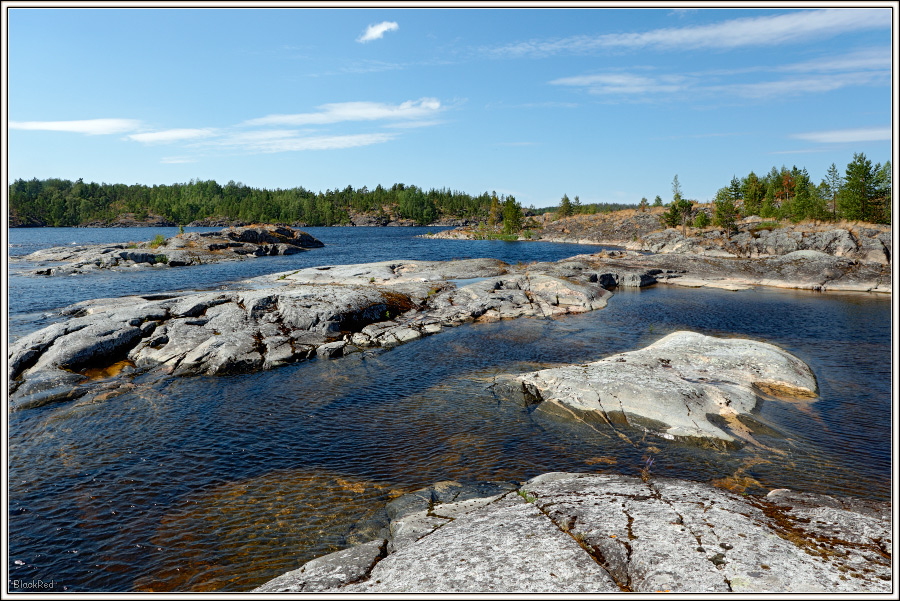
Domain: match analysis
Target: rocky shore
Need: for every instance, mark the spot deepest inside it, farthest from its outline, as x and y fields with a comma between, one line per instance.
x=599, y=533
x=273, y=320
x=194, y=248
x=329, y=311
x=755, y=238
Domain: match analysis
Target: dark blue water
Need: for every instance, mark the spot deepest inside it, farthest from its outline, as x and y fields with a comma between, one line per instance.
x=221, y=483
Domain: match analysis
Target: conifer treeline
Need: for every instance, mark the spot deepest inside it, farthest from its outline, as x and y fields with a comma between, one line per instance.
x=60, y=203
x=862, y=193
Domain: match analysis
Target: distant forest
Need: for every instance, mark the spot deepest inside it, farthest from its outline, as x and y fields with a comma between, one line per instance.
x=60, y=202
x=863, y=192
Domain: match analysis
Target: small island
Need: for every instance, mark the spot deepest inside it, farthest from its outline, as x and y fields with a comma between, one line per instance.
x=192, y=248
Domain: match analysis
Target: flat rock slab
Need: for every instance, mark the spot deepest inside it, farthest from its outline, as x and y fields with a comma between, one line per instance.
x=799, y=269
x=596, y=533
x=335, y=569
x=679, y=536
x=507, y=546
x=671, y=387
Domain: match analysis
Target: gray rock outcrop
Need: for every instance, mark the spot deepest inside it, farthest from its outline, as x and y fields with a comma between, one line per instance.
x=279, y=319
x=597, y=533
x=800, y=269
x=670, y=387
x=867, y=245
x=192, y=248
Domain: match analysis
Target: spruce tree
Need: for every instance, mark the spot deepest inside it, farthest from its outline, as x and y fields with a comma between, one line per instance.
x=859, y=193
x=565, y=207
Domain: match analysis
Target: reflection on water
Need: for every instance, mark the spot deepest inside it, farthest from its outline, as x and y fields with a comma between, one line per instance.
x=221, y=483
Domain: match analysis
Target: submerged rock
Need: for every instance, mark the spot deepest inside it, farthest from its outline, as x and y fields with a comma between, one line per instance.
x=607, y=533
x=671, y=387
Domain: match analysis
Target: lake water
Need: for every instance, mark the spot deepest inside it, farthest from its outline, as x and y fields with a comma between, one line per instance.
x=221, y=483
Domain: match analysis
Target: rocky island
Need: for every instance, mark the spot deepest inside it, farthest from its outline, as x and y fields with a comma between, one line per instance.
x=193, y=248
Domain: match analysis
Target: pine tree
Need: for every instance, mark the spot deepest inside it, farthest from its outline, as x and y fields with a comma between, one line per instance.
x=494, y=213
x=724, y=211
x=657, y=202
x=512, y=216
x=682, y=206
x=859, y=193
x=835, y=183
x=565, y=207
x=753, y=194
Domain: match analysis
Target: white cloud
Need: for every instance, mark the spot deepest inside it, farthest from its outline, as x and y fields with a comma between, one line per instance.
x=801, y=85
x=414, y=124
x=356, y=111
x=623, y=83
x=171, y=135
x=772, y=30
x=863, y=134
x=377, y=31
x=867, y=59
x=92, y=127
x=862, y=68
x=269, y=141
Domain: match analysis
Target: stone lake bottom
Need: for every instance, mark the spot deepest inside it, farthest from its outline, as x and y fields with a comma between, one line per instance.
x=221, y=483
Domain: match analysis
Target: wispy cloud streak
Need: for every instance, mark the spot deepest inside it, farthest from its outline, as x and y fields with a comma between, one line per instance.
x=92, y=127
x=171, y=135
x=290, y=141
x=773, y=30
x=356, y=111
x=837, y=136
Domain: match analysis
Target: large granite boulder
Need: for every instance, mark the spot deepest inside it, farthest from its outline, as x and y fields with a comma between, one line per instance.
x=671, y=387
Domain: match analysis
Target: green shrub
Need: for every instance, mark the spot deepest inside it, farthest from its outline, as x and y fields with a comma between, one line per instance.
x=701, y=220
x=161, y=259
x=158, y=241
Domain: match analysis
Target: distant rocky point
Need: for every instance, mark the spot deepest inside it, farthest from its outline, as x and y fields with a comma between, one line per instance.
x=191, y=248
x=754, y=238
x=132, y=220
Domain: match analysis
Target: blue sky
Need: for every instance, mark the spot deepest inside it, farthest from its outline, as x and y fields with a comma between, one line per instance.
x=608, y=104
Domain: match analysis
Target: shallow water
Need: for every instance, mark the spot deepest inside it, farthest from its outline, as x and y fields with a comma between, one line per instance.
x=221, y=483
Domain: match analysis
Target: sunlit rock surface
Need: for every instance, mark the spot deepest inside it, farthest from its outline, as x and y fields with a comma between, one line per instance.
x=609, y=533
x=274, y=320
x=671, y=387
